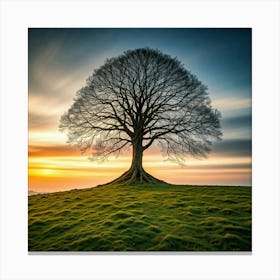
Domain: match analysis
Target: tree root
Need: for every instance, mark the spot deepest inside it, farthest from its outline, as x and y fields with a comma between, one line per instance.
x=135, y=177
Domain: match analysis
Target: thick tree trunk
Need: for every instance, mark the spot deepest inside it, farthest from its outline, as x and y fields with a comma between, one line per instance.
x=136, y=164
x=136, y=173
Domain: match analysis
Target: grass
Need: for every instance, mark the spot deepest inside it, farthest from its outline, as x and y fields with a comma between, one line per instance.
x=141, y=218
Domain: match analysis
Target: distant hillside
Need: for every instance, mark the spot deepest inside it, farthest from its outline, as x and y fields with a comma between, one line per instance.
x=30, y=192
x=141, y=218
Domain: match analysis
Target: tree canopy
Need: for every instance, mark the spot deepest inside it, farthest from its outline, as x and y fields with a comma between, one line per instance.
x=136, y=99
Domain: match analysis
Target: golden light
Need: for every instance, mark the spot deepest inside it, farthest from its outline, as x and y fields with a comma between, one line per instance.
x=47, y=172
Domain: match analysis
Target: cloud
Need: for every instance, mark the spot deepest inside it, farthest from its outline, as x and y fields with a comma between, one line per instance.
x=41, y=122
x=46, y=138
x=238, y=122
x=57, y=150
x=45, y=112
x=55, y=75
x=237, y=127
x=233, y=148
x=232, y=103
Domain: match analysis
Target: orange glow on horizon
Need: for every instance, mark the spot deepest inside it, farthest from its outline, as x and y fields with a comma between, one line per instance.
x=56, y=173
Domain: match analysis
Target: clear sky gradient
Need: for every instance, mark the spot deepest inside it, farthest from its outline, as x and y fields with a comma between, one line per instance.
x=60, y=60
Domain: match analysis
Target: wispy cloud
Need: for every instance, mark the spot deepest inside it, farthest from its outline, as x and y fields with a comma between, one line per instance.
x=232, y=103
x=233, y=148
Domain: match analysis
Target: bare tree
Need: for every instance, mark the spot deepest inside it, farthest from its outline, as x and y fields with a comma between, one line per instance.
x=136, y=99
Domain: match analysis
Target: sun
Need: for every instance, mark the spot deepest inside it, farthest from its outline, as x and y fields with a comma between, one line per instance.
x=47, y=172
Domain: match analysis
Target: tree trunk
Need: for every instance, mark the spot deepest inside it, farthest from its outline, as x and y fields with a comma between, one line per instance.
x=136, y=164
x=136, y=173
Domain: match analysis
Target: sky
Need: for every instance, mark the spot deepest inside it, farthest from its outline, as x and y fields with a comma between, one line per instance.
x=61, y=59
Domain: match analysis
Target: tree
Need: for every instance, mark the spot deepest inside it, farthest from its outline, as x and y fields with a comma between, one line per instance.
x=136, y=99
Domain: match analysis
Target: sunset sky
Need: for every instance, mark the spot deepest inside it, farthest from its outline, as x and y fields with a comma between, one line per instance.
x=59, y=62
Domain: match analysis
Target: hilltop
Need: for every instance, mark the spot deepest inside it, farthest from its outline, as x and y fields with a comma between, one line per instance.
x=142, y=218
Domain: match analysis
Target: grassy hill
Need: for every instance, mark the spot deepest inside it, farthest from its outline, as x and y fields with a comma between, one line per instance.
x=142, y=218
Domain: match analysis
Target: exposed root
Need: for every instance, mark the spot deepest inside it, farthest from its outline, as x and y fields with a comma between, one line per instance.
x=135, y=177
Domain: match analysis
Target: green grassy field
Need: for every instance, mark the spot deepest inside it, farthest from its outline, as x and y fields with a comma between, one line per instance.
x=142, y=218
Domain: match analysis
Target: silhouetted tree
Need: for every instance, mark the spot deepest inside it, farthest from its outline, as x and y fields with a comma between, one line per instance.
x=136, y=99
